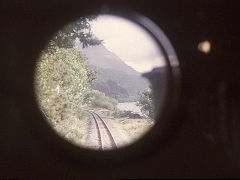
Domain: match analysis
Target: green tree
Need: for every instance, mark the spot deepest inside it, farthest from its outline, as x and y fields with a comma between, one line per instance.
x=63, y=76
x=100, y=100
x=62, y=82
x=81, y=30
x=146, y=102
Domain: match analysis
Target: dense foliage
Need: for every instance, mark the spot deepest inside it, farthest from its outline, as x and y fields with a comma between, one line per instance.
x=100, y=100
x=80, y=30
x=63, y=76
x=62, y=82
x=146, y=102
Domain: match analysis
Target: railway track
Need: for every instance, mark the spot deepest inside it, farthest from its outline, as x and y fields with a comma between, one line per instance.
x=102, y=137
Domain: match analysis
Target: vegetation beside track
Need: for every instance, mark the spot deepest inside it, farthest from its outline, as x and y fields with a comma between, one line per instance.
x=133, y=127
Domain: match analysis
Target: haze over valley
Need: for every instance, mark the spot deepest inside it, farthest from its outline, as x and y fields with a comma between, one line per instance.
x=114, y=77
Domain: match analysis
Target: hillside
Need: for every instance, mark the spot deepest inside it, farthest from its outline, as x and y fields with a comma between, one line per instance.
x=100, y=56
x=115, y=78
x=118, y=84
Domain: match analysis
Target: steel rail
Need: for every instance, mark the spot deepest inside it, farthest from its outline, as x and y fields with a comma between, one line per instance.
x=98, y=130
x=94, y=115
x=114, y=145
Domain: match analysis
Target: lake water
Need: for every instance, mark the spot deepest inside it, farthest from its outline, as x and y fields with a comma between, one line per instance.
x=129, y=106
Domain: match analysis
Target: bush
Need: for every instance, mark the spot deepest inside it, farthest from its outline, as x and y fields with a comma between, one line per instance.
x=146, y=102
x=128, y=114
x=61, y=82
x=99, y=99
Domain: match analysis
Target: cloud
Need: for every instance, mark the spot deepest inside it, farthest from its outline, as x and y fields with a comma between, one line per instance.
x=128, y=41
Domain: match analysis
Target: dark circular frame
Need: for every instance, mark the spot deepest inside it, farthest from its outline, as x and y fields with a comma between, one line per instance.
x=153, y=141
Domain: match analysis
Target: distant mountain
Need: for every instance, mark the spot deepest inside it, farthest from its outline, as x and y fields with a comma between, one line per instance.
x=115, y=78
x=125, y=87
x=100, y=56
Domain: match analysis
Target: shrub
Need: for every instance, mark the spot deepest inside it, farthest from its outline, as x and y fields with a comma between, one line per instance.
x=61, y=82
x=146, y=102
x=128, y=114
x=100, y=100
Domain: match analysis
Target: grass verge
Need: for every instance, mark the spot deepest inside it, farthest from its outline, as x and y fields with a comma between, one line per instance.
x=134, y=128
x=73, y=129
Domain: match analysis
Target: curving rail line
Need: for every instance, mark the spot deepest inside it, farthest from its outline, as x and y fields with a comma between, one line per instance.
x=102, y=130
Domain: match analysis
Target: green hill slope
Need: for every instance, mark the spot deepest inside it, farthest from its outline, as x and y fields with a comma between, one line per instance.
x=119, y=85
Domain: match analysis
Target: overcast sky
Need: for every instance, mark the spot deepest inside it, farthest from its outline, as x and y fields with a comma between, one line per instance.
x=128, y=41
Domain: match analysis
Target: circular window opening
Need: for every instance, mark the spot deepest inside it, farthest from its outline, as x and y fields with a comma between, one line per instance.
x=95, y=79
